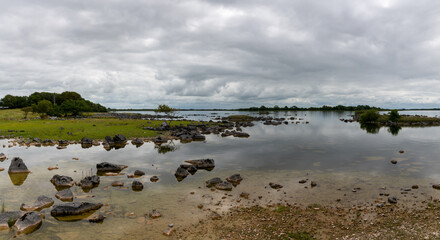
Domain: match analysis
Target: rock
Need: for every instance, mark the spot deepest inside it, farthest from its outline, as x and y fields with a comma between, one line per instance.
x=65, y=195
x=117, y=184
x=275, y=185
x=393, y=161
x=52, y=168
x=207, y=164
x=380, y=205
x=89, y=182
x=97, y=219
x=63, y=142
x=62, y=181
x=42, y=202
x=181, y=173
x=139, y=173
x=8, y=219
x=109, y=167
x=211, y=182
x=313, y=184
x=119, y=139
x=18, y=166
x=154, y=179
x=225, y=186
x=28, y=222
x=392, y=200
x=74, y=209
x=234, y=179
x=415, y=186
x=2, y=157
x=216, y=216
x=86, y=142
x=302, y=181
x=61, y=147
x=168, y=232
x=244, y=195
x=137, y=186
x=190, y=168
x=137, y=142
x=436, y=186
x=155, y=214
x=401, y=151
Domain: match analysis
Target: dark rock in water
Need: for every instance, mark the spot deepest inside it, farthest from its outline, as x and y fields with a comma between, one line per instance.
x=244, y=195
x=275, y=185
x=117, y=184
x=28, y=223
x=42, y=202
x=119, y=139
x=154, y=179
x=302, y=181
x=225, y=186
x=415, y=186
x=393, y=161
x=63, y=142
x=109, y=140
x=207, y=164
x=234, y=179
x=181, y=173
x=18, y=166
x=190, y=168
x=109, y=167
x=139, y=173
x=198, y=137
x=18, y=178
x=97, y=219
x=75, y=208
x=155, y=214
x=313, y=184
x=137, y=142
x=8, y=219
x=213, y=181
x=62, y=181
x=65, y=195
x=137, y=186
x=86, y=141
x=89, y=182
x=2, y=157
x=392, y=200
x=436, y=186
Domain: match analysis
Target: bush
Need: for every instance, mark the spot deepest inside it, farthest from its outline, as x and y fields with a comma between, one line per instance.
x=394, y=116
x=43, y=108
x=369, y=116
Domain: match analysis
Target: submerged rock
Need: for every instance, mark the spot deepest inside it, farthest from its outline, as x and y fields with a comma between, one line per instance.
x=211, y=182
x=42, y=202
x=207, y=164
x=28, y=222
x=139, y=173
x=109, y=167
x=18, y=166
x=137, y=186
x=181, y=173
x=62, y=181
x=234, y=179
x=76, y=208
x=275, y=185
x=89, y=182
x=8, y=219
x=2, y=157
x=97, y=219
x=225, y=186
x=154, y=179
x=155, y=214
x=65, y=195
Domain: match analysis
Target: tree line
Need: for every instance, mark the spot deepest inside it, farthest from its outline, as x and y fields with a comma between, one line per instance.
x=52, y=104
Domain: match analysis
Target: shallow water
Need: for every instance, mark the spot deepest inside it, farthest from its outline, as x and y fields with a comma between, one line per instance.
x=338, y=156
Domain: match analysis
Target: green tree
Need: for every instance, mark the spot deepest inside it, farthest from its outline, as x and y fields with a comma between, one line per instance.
x=369, y=116
x=394, y=116
x=43, y=108
x=74, y=107
x=163, y=108
x=26, y=111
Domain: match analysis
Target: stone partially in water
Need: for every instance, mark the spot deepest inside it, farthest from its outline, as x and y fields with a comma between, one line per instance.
x=181, y=173
x=139, y=173
x=97, y=219
x=72, y=209
x=7, y=219
x=393, y=161
x=138, y=142
x=234, y=179
x=89, y=182
x=392, y=200
x=225, y=186
x=275, y=185
x=62, y=181
x=109, y=167
x=436, y=186
x=2, y=157
x=117, y=184
x=207, y=164
x=18, y=166
x=137, y=186
x=28, y=222
x=65, y=195
x=42, y=202
x=155, y=214
x=213, y=181
x=190, y=168
x=154, y=179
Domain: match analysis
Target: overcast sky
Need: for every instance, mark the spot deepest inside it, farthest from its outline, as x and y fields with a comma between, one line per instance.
x=199, y=54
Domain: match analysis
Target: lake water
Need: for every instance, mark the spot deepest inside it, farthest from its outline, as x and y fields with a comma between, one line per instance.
x=338, y=156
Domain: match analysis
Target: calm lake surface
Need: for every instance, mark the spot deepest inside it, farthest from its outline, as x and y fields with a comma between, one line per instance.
x=338, y=156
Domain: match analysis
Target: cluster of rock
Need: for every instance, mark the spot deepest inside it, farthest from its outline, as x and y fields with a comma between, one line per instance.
x=227, y=185
x=134, y=116
x=185, y=169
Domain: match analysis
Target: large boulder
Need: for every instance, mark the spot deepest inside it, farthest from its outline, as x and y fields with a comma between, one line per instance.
x=74, y=209
x=225, y=186
x=207, y=164
x=65, y=195
x=181, y=173
x=61, y=181
x=18, y=166
x=213, y=181
x=7, y=219
x=28, y=222
x=42, y=202
x=119, y=139
x=234, y=179
x=89, y=182
x=109, y=167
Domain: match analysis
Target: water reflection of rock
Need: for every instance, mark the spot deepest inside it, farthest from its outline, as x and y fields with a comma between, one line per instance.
x=165, y=148
x=18, y=178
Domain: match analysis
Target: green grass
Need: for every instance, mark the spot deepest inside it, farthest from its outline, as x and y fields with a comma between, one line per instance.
x=413, y=119
x=14, y=114
x=79, y=128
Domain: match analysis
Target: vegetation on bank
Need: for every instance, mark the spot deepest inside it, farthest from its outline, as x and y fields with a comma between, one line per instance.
x=373, y=116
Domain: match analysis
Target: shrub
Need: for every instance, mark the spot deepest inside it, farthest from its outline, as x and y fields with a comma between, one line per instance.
x=394, y=116
x=369, y=116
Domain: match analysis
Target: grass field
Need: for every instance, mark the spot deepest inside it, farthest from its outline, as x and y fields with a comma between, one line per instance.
x=12, y=123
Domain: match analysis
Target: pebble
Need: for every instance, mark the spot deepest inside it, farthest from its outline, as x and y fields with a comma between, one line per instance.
x=168, y=232
x=393, y=161
x=392, y=200
x=117, y=184
x=1, y=169
x=52, y=168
